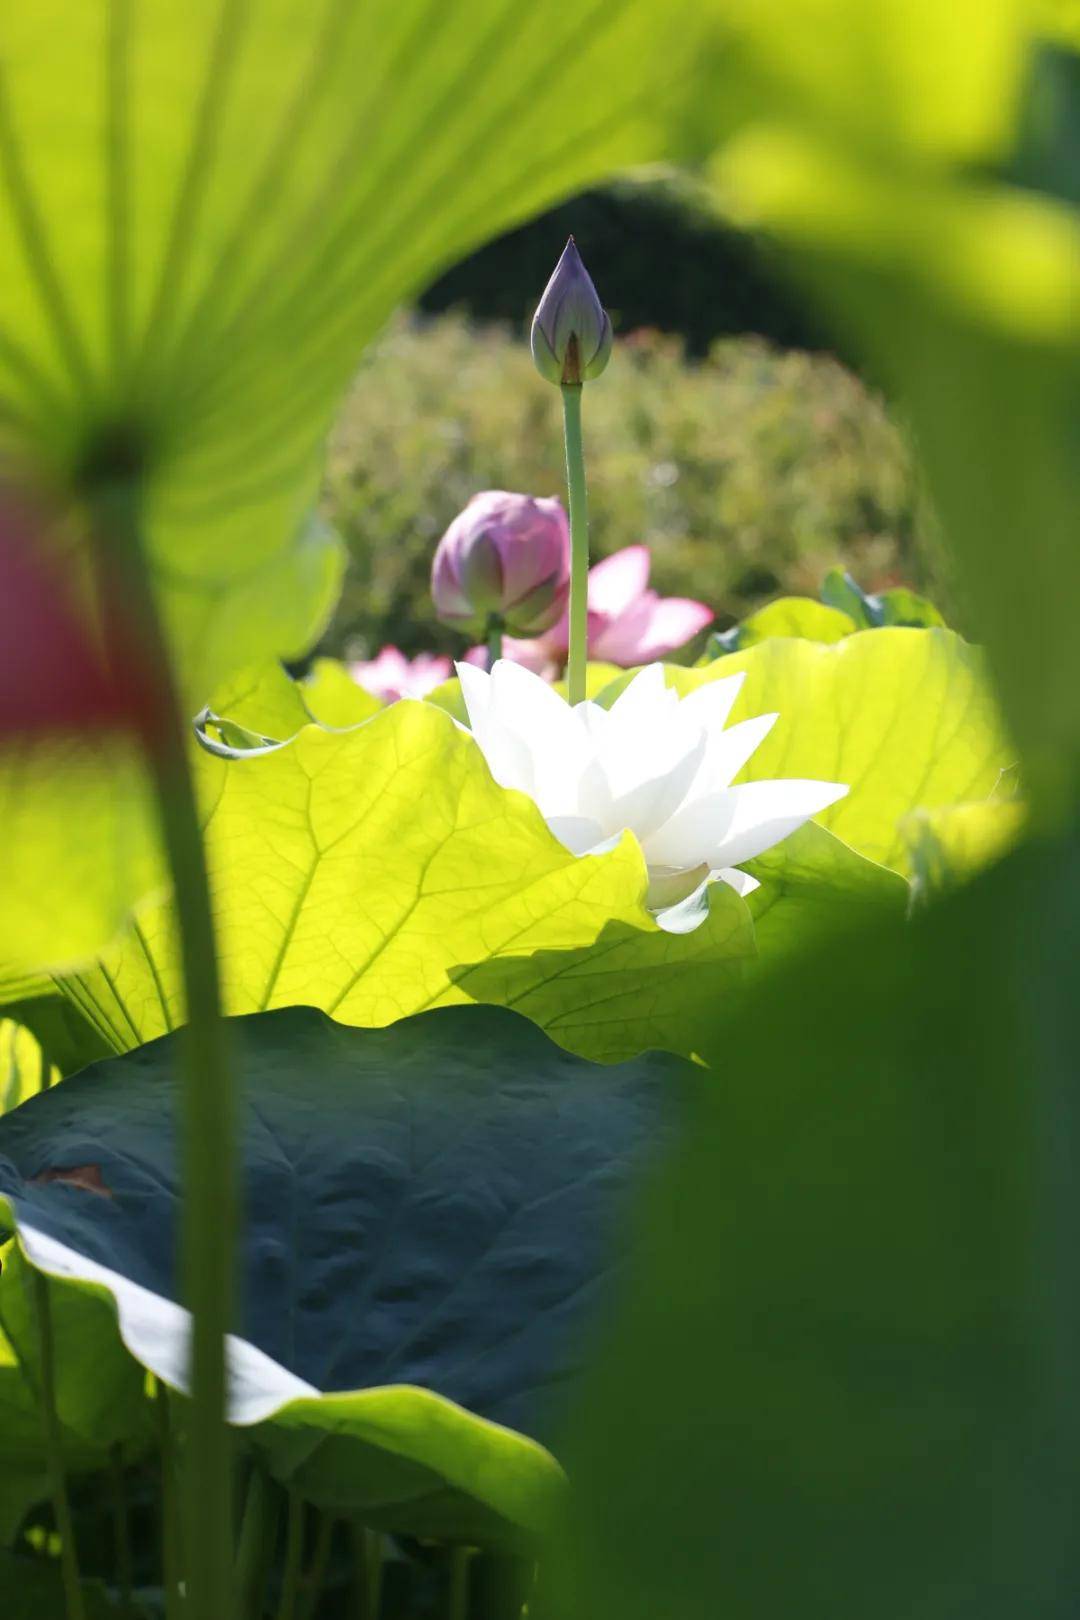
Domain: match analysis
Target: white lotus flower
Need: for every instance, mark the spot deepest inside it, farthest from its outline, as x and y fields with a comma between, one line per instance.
x=656, y=764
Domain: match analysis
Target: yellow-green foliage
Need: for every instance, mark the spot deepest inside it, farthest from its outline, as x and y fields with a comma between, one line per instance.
x=747, y=474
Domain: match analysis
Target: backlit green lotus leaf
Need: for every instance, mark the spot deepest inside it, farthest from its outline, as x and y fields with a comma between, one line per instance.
x=435, y=1214
x=376, y=872
x=905, y=717
x=813, y=885
x=333, y=698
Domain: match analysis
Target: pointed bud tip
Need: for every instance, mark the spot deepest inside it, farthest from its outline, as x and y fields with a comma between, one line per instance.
x=571, y=331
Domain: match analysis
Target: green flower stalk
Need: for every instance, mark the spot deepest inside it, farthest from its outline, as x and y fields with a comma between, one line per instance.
x=571, y=344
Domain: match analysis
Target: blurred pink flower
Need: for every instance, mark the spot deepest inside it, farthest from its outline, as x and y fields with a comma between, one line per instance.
x=390, y=675
x=628, y=623
x=507, y=557
x=54, y=675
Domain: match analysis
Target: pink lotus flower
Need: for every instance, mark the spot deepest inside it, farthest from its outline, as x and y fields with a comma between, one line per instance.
x=505, y=557
x=628, y=623
x=390, y=675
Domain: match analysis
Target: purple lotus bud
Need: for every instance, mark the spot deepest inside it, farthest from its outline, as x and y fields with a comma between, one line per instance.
x=505, y=557
x=571, y=330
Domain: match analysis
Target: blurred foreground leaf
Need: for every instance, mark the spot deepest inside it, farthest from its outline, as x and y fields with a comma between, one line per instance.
x=210, y=208
x=857, y=1395
x=961, y=285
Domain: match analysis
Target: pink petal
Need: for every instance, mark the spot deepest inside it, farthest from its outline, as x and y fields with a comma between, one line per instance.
x=536, y=655
x=621, y=640
x=618, y=580
x=671, y=622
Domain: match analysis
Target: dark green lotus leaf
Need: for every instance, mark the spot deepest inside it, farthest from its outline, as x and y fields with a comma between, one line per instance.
x=432, y=1219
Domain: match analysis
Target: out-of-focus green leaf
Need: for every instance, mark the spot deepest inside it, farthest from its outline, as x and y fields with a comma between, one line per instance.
x=378, y=871
x=59, y=1032
x=842, y=1379
x=79, y=846
x=844, y=608
x=24, y=1068
x=797, y=616
x=906, y=78
x=963, y=291
x=904, y=716
x=99, y=1392
x=950, y=845
x=897, y=606
x=210, y=208
x=434, y=1215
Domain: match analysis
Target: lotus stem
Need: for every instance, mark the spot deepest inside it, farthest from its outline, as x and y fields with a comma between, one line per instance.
x=316, y=1575
x=457, y=1599
x=494, y=640
x=367, y=1571
x=257, y=1532
x=125, y=1572
x=170, y=1528
x=207, y=1240
x=69, y=1563
x=294, y=1552
x=579, y=543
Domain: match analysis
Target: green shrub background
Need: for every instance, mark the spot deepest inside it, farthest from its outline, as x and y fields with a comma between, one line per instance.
x=748, y=473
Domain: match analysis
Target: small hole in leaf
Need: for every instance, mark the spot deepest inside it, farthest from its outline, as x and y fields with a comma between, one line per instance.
x=86, y=1176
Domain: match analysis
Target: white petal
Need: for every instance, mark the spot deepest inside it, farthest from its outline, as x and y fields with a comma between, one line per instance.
x=710, y=704
x=475, y=692
x=509, y=756
x=647, y=805
x=729, y=750
x=741, y=882
x=580, y=834
x=692, y=833
x=157, y=1331
x=531, y=716
x=644, y=692
x=687, y=914
x=764, y=813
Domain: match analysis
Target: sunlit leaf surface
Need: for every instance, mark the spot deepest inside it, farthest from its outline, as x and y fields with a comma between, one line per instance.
x=906, y=717
x=376, y=872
